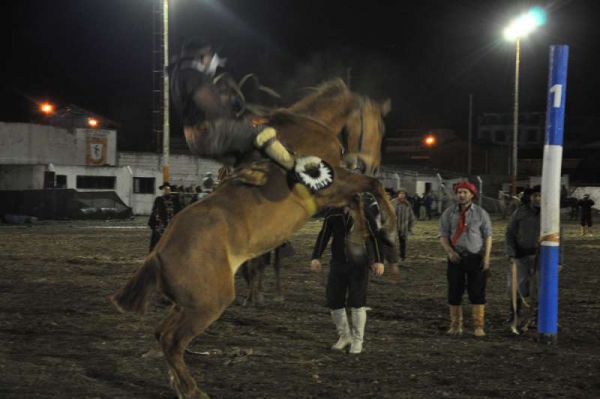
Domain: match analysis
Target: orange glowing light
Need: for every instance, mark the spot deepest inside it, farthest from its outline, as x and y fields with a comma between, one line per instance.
x=47, y=108
x=430, y=140
x=92, y=122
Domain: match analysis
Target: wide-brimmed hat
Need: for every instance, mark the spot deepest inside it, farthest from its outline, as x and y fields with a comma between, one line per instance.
x=165, y=184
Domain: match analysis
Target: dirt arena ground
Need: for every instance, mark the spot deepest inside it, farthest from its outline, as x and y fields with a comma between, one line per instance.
x=60, y=337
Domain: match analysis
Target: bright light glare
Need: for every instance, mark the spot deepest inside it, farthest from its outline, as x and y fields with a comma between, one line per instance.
x=47, y=108
x=525, y=24
x=430, y=140
x=92, y=122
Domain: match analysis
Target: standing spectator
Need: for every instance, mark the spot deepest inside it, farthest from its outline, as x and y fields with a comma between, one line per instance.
x=574, y=205
x=466, y=236
x=406, y=219
x=428, y=203
x=348, y=276
x=198, y=194
x=418, y=201
x=586, y=214
x=522, y=237
x=164, y=209
x=208, y=183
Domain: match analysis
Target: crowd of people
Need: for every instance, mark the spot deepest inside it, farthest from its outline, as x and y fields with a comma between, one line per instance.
x=173, y=199
x=465, y=235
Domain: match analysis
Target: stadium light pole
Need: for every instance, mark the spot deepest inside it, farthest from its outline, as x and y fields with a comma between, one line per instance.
x=166, y=126
x=519, y=29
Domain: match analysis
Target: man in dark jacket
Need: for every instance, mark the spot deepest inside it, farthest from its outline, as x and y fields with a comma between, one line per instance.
x=406, y=219
x=348, y=273
x=522, y=238
x=164, y=209
x=586, y=205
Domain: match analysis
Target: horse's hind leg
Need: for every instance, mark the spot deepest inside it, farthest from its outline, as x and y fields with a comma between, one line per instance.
x=180, y=327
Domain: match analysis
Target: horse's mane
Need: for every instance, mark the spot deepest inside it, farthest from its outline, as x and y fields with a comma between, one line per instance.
x=324, y=93
x=284, y=117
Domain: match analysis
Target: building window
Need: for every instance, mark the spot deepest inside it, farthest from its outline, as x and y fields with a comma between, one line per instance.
x=61, y=181
x=143, y=185
x=96, y=182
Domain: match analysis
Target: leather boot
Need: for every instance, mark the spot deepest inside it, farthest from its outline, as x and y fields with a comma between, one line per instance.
x=456, y=320
x=359, y=319
x=267, y=141
x=478, y=320
x=340, y=319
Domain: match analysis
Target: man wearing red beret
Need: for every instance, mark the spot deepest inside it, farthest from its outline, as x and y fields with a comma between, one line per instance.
x=466, y=236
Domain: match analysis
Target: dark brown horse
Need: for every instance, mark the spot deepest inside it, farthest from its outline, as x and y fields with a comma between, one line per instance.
x=196, y=259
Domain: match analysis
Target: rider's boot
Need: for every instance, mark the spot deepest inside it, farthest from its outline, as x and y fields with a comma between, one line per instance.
x=267, y=141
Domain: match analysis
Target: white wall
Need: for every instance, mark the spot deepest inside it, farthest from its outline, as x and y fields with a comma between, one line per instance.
x=123, y=183
x=142, y=203
x=26, y=143
x=22, y=177
x=184, y=169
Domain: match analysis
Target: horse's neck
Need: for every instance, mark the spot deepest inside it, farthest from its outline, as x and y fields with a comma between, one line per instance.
x=334, y=121
x=332, y=106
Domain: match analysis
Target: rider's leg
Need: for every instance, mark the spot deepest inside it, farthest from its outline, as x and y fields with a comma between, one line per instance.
x=267, y=141
x=222, y=137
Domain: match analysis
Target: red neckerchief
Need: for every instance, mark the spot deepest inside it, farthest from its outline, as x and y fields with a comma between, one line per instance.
x=461, y=225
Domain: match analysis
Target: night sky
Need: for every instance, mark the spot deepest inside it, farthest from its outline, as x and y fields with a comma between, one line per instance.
x=426, y=55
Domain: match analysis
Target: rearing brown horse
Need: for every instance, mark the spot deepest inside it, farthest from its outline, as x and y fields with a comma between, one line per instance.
x=196, y=259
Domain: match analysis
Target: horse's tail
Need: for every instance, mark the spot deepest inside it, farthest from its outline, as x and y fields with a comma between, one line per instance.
x=133, y=297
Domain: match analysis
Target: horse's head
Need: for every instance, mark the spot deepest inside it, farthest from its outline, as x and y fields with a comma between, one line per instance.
x=363, y=134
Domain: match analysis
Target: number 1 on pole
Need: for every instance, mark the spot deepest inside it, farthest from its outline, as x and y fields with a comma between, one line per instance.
x=557, y=91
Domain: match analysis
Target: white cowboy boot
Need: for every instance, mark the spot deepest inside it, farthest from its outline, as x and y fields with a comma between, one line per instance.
x=359, y=319
x=340, y=319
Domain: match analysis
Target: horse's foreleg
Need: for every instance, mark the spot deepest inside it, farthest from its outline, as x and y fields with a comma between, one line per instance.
x=277, y=269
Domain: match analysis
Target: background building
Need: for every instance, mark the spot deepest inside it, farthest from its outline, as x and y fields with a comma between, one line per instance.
x=42, y=157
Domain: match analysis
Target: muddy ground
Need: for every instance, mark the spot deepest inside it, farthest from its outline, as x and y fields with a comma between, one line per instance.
x=60, y=338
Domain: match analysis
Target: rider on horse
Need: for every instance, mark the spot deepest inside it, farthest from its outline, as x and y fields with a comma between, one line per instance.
x=210, y=125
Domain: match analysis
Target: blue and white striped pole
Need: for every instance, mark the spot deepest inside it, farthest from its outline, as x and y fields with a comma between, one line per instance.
x=550, y=223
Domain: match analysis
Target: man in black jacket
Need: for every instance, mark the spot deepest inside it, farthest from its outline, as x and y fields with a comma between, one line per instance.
x=164, y=209
x=522, y=248
x=586, y=205
x=349, y=272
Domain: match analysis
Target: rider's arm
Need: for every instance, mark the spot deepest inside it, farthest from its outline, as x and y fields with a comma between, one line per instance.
x=323, y=238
